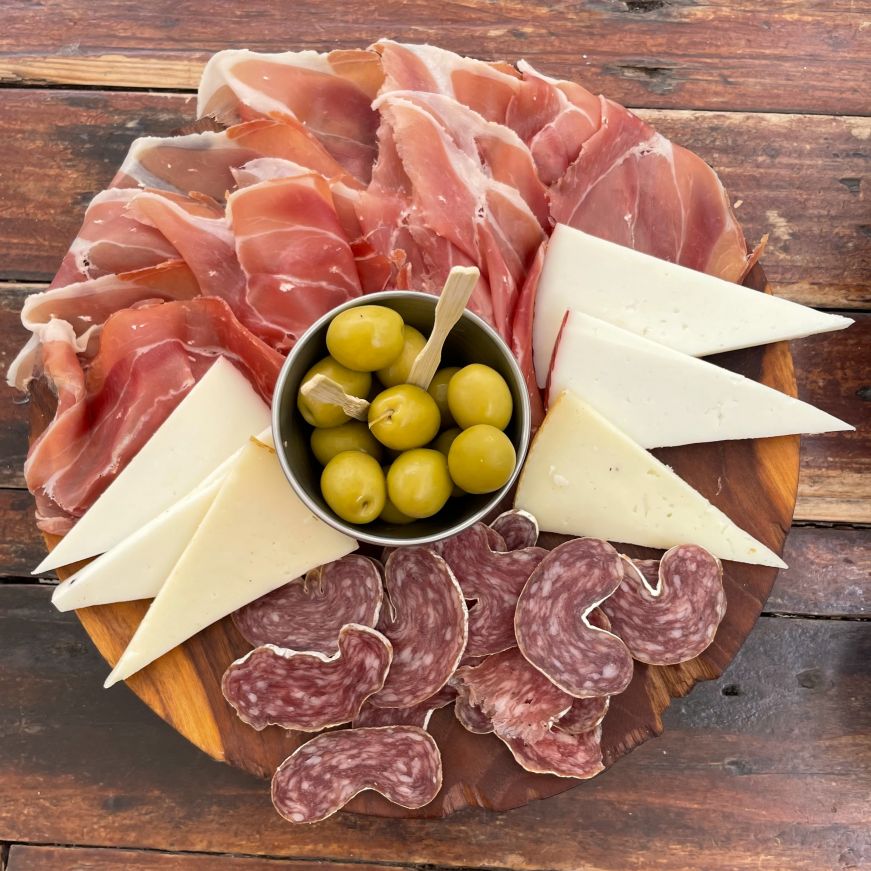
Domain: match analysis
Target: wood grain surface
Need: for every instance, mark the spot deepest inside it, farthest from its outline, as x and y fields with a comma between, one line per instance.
x=760, y=769
x=762, y=55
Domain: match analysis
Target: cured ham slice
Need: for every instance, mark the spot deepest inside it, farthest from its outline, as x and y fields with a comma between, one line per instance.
x=204, y=162
x=85, y=305
x=331, y=94
x=292, y=248
x=149, y=358
x=110, y=241
x=630, y=185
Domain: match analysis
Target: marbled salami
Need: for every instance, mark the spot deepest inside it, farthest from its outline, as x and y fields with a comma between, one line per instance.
x=583, y=715
x=667, y=612
x=416, y=715
x=552, y=622
x=518, y=528
x=426, y=621
x=307, y=613
x=470, y=716
x=560, y=753
x=307, y=690
x=518, y=699
x=402, y=763
x=493, y=580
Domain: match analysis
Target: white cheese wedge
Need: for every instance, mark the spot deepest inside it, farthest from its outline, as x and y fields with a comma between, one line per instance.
x=256, y=536
x=675, y=306
x=660, y=397
x=583, y=476
x=208, y=426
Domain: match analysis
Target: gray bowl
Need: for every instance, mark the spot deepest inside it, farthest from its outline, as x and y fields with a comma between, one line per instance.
x=471, y=341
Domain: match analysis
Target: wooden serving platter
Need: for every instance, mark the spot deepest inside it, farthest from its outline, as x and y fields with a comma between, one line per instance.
x=754, y=482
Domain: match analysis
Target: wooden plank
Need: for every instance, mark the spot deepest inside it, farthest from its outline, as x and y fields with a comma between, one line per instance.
x=820, y=243
x=27, y=858
x=766, y=767
x=749, y=54
x=21, y=544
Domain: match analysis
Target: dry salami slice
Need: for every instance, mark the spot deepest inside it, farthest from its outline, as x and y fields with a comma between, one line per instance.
x=669, y=612
x=307, y=690
x=402, y=763
x=416, y=715
x=519, y=700
x=552, y=622
x=584, y=715
x=493, y=580
x=560, y=753
x=470, y=716
x=308, y=613
x=426, y=621
x=518, y=528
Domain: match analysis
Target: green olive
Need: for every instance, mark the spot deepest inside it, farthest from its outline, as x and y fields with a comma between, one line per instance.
x=325, y=414
x=353, y=485
x=479, y=394
x=351, y=436
x=438, y=390
x=398, y=371
x=443, y=444
x=404, y=417
x=366, y=337
x=391, y=514
x=418, y=482
x=481, y=459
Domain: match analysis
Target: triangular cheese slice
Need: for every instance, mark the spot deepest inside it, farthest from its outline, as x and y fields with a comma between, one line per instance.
x=660, y=397
x=585, y=477
x=687, y=310
x=208, y=426
x=256, y=536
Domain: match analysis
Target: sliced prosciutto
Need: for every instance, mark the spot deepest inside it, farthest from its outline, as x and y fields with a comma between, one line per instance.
x=331, y=94
x=149, y=359
x=293, y=251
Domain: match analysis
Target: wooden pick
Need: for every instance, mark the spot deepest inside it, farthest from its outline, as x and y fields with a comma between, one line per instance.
x=323, y=389
x=452, y=302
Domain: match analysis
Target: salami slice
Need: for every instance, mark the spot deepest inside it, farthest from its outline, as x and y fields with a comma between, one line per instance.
x=307, y=690
x=584, y=715
x=519, y=700
x=560, y=753
x=493, y=580
x=518, y=528
x=668, y=612
x=552, y=623
x=426, y=621
x=416, y=715
x=308, y=613
x=402, y=763
x=470, y=716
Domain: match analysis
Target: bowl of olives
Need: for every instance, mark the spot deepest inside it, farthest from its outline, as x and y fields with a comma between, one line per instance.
x=397, y=464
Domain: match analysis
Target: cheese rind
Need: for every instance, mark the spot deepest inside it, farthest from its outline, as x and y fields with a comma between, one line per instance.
x=137, y=567
x=687, y=310
x=661, y=397
x=256, y=536
x=585, y=477
x=208, y=426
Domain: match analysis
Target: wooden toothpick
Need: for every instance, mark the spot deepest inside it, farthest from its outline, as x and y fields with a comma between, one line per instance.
x=452, y=302
x=323, y=389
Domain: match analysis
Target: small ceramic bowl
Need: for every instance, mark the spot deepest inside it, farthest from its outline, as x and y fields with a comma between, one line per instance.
x=470, y=341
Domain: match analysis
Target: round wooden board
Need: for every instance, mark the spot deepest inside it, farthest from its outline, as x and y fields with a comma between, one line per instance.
x=754, y=482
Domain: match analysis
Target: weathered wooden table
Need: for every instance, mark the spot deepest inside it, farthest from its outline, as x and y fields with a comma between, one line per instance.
x=769, y=767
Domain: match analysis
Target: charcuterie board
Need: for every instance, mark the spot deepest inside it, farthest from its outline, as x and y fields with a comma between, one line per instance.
x=753, y=481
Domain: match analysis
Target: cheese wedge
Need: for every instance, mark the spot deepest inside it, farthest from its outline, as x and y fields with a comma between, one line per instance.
x=207, y=427
x=137, y=567
x=585, y=477
x=660, y=397
x=256, y=536
x=675, y=306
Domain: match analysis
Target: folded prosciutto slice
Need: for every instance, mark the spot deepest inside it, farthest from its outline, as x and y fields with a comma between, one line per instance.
x=107, y=409
x=331, y=94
